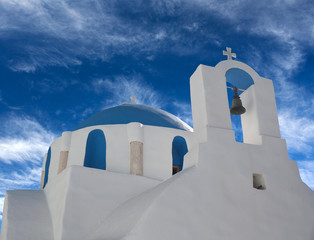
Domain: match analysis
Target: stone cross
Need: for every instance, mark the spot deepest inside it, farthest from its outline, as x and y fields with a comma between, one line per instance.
x=132, y=99
x=229, y=54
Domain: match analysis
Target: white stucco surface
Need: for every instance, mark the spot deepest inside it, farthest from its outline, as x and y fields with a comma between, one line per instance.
x=26, y=216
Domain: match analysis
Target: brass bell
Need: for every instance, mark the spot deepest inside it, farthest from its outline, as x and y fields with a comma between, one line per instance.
x=236, y=107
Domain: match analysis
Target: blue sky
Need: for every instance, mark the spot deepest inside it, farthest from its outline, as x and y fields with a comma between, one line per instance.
x=62, y=61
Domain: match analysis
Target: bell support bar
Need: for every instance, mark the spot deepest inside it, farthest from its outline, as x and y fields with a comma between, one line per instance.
x=239, y=89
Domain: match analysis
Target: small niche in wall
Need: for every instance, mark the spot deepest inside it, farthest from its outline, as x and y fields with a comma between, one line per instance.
x=258, y=181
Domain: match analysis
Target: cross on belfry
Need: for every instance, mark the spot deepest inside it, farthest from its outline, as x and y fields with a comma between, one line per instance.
x=229, y=54
x=132, y=99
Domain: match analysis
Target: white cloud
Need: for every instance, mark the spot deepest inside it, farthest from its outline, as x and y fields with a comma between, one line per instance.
x=23, y=67
x=64, y=31
x=26, y=178
x=297, y=130
x=23, y=139
x=306, y=169
x=100, y=29
x=183, y=111
x=87, y=112
x=73, y=30
x=47, y=55
x=285, y=20
x=122, y=88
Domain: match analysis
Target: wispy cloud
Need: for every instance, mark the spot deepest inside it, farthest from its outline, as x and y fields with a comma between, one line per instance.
x=298, y=130
x=47, y=85
x=284, y=20
x=61, y=32
x=23, y=139
x=121, y=88
x=4, y=103
x=28, y=177
x=22, y=66
x=183, y=111
x=70, y=31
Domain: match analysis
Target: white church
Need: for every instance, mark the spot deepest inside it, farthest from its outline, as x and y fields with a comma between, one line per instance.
x=134, y=172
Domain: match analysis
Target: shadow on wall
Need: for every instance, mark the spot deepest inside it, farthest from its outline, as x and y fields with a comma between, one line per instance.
x=179, y=149
x=95, y=154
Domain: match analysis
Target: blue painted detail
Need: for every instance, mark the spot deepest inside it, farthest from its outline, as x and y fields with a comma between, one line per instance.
x=179, y=149
x=128, y=113
x=47, y=165
x=239, y=78
x=95, y=155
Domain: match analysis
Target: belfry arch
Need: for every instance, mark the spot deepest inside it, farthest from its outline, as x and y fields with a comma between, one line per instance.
x=95, y=154
x=236, y=77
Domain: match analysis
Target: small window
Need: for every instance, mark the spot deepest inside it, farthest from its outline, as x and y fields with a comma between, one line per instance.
x=175, y=169
x=258, y=181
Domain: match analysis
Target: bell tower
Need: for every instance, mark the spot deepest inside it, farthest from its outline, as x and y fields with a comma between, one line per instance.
x=210, y=108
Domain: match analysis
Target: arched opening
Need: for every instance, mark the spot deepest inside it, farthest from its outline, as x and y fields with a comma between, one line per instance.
x=179, y=149
x=47, y=165
x=95, y=154
x=236, y=77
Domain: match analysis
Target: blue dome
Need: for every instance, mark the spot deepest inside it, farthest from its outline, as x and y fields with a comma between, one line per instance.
x=128, y=113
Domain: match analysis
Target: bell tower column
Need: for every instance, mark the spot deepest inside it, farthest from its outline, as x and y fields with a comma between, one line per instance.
x=209, y=100
x=261, y=119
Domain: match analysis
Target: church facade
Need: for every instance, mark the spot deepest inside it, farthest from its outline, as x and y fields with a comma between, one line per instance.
x=134, y=172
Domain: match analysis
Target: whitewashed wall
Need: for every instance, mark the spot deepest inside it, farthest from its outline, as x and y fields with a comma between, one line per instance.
x=157, y=148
